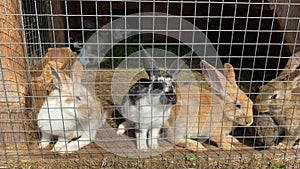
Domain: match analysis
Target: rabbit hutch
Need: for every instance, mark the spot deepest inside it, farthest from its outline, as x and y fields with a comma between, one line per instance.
x=220, y=76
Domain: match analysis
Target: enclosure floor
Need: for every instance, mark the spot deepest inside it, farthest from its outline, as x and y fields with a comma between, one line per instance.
x=112, y=151
x=93, y=156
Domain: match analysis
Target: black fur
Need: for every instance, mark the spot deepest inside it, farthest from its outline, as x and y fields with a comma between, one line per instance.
x=168, y=98
x=153, y=73
x=157, y=87
x=75, y=48
x=138, y=90
x=142, y=87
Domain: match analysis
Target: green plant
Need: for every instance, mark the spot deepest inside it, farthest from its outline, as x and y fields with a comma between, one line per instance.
x=278, y=166
x=191, y=159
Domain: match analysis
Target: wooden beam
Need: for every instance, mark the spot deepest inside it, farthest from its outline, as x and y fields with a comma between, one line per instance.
x=289, y=14
x=58, y=22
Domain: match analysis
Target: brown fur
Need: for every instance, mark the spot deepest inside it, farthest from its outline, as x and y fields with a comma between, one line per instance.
x=89, y=113
x=281, y=98
x=196, y=105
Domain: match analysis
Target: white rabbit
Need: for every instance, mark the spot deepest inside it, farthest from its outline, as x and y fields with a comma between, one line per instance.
x=70, y=111
x=148, y=102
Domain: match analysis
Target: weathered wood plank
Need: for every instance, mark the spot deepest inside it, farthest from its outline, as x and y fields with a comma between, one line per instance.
x=288, y=14
x=13, y=76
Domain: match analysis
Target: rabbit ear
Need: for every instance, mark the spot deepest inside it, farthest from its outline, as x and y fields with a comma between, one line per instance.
x=150, y=64
x=176, y=66
x=213, y=76
x=291, y=65
x=294, y=78
x=57, y=78
x=76, y=72
x=229, y=73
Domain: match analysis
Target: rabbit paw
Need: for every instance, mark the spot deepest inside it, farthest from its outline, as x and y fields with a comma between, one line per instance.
x=58, y=146
x=154, y=145
x=282, y=146
x=122, y=128
x=120, y=131
x=234, y=140
x=44, y=144
x=70, y=148
x=227, y=146
x=141, y=146
x=45, y=140
x=190, y=144
x=296, y=146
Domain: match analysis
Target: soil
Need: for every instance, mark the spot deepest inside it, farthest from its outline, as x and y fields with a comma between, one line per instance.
x=93, y=156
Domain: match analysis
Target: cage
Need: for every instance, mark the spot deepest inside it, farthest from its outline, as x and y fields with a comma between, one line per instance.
x=149, y=84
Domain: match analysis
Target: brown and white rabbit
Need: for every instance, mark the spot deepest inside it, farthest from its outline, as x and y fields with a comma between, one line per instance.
x=70, y=111
x=281, y=98
x=201, y=113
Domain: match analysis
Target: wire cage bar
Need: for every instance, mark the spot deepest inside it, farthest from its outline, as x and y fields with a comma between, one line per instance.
x=149, y=84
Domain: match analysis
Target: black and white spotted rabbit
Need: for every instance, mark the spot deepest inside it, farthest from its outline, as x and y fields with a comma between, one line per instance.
x=148, y=103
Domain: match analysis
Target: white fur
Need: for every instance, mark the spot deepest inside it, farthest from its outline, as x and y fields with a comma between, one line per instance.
x=147, y=116
x=149, y=112
x=57, y=118
x=61, y=118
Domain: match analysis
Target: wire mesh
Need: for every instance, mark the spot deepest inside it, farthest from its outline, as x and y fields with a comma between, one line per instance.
x=35, y=25
x=77, y=100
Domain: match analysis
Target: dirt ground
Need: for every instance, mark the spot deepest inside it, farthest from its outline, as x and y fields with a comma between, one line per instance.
x=95, y=157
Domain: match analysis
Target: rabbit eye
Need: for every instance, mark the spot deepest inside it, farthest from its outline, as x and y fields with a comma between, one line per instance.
x=78, y=98
x=238, y=105
x=274, y=97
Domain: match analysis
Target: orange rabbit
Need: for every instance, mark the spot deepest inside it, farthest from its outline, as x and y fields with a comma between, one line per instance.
x=201, y=113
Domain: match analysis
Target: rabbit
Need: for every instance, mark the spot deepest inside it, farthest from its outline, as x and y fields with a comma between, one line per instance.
x=92, y=52
x=265, y=130
x=280, y=98
x=203, y=114
x=148, y=102
x=70, y=111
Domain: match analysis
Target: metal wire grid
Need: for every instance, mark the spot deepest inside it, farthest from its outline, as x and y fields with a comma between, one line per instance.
x=36, y=25
x=244, y=33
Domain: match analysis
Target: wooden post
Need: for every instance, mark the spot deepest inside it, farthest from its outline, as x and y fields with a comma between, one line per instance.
x=289, y=14
x=13, y=77
x=57, y=22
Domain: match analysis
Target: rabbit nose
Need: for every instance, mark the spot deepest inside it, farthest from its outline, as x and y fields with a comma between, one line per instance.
x=249, y=120
x=174, y=99
x=169, y=89
x=168, y=98
x=259, y=107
